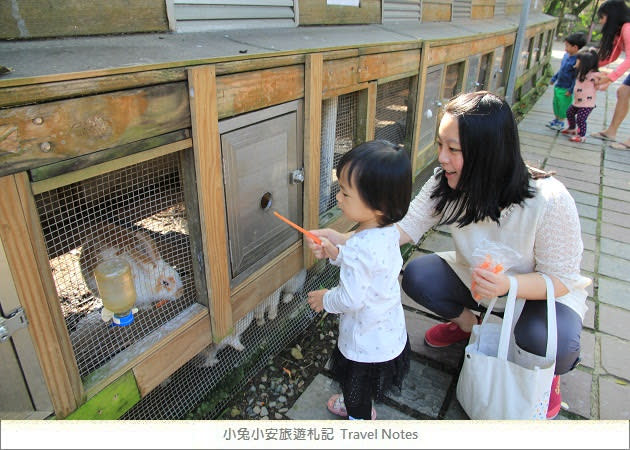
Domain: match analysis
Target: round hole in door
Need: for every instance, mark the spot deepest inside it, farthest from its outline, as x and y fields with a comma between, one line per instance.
x=266, y=200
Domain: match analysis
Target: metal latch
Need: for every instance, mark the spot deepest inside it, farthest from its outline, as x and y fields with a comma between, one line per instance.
x=297, y=176
x=8, y=325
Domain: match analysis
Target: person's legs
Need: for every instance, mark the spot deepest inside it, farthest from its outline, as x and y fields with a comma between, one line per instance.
x=357, y=396
x=571, y=114
x=621, y=109
x=430, y=281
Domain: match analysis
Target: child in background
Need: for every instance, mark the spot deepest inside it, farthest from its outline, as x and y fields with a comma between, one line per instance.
x=564, y=80
x=584, y=93
x=373, y=350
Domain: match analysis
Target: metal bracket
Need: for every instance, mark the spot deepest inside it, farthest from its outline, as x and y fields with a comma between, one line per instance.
x=297, y=176
x=8, y=325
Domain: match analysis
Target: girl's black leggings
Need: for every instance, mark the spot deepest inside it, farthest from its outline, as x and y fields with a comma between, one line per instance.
x=431, y=282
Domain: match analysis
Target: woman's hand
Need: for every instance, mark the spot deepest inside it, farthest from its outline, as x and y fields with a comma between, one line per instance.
x=487, y=284
x=602, y=82
x=316, y=299
x=330, y=239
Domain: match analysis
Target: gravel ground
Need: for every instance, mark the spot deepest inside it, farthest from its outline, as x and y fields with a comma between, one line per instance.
x=274, y=390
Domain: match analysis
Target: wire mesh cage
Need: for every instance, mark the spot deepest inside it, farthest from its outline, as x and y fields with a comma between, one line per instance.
x=203, y=387
x=392, y=101
x=339, y=120
x=138, y=213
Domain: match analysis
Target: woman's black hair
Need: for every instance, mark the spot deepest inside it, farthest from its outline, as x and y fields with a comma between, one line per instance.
x=617, y=13
x=381, y=172
x=494, y=175
x=589, y=60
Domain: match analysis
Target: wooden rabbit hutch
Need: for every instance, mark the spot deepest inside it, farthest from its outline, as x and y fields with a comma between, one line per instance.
x=171, y=138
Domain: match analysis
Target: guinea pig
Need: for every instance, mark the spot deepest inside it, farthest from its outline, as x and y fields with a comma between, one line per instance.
x=154, y=279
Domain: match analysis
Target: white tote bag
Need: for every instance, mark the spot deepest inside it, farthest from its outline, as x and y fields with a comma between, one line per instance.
x=494, y=386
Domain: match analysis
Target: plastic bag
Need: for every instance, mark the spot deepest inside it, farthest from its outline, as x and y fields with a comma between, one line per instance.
x=494, y=256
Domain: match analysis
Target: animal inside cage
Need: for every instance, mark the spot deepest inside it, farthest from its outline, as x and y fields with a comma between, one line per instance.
x=339, y=127
x=139, y=213
x=204, y=386
x=392, y=100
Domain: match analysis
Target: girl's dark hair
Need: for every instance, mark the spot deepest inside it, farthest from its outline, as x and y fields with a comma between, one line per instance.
x=381, y=173
x=494, y=175
x=589, y=60
x=617, y=13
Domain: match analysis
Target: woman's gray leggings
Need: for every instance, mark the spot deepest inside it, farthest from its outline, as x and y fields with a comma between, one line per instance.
x=431, y=282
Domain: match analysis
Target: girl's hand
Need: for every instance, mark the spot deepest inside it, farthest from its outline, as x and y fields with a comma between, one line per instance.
x=316, y=299
x=329, y=237
x=487, y=284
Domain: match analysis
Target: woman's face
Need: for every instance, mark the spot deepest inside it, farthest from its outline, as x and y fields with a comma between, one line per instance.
x=602, y=19
x=450, y=154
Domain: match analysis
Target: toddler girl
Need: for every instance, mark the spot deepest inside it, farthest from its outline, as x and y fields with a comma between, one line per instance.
x=372, y=352
x=584, y=91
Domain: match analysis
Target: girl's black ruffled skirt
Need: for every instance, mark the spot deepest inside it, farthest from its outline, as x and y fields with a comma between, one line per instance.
x=374, y=379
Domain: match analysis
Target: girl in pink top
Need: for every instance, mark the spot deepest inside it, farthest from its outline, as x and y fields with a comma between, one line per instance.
x=583, y=94
x=614, y=15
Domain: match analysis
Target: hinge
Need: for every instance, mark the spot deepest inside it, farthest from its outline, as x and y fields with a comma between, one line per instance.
x=12, y=323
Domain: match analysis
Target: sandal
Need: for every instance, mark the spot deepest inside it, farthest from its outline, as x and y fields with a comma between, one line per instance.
x=602, y=136
x=336, y=406
x=619, y=146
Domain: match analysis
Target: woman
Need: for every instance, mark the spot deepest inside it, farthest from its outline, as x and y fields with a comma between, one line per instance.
x=483, y=191
x=614, y=15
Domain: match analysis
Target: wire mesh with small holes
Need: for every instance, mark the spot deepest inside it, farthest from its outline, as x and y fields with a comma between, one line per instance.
x=339, y=120
x=203, y=387
x=390, y=121
x=141, y=206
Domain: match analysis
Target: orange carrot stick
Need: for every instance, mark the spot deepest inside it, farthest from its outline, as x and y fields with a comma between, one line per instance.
x=299, y=228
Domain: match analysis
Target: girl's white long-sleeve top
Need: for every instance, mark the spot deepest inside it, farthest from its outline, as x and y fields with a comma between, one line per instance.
x=544, y=230
x=372, y=321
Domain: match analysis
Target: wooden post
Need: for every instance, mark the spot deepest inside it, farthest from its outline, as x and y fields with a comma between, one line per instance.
x=208, y=163
x=313, y=75
x=28, y=260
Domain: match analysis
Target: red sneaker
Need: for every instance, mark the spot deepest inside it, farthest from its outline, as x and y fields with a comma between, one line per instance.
x=444, y=334
x=555, y=398
x=570, y=131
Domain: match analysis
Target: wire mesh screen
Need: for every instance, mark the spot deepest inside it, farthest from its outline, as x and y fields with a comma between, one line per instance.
x=137, y=213
x=339, y=119
x=391, y=111
x=452, y=80
x=203, y=387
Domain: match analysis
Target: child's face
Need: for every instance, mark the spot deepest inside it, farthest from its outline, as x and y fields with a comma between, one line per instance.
x=352, y=205
x=450, y=154
x=570, y=48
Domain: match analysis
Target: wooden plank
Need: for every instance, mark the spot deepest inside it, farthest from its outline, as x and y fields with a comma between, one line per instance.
x=340, y=73
x=36, y=19
x=111, y=402
x=383, y=65
x=159, y=340
x=160, y=364
x=45, y=321
x=84, y=161
x=367, y=113
x=45, y=92
x=60, y=130
x=263, y=282
x=436, y=12
x=317, y=12
x=419, y=109
x=243, y=92
x=454, y=52
x=344, y=90
x=208, y=162
x=482, y=12
x=313, y=85
x=109, y=166
x=221, y=12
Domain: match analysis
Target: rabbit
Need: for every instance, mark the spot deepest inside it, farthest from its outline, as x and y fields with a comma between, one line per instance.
x=269, y=306
x=209, y=354
x=285, y=292
x=154, y=279
x=294, y=284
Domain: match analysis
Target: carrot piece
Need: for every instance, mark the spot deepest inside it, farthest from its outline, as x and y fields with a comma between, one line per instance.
x=498, y=268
